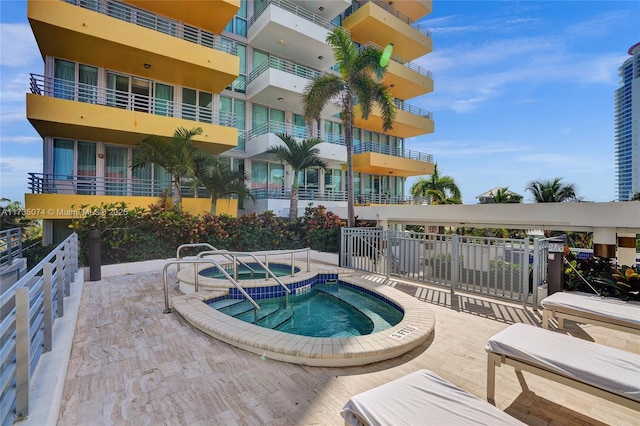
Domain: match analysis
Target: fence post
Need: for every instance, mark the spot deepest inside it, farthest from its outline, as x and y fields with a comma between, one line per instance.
x=60, y=284
x=47, y=289
x=536, y=273
x=67, y=268
x=23, y=355
x=455, y=259
x=524, y=262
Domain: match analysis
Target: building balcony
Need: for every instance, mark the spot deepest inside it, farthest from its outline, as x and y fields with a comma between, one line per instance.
x=405, y=78
x=262, y=137
x=280, y=83
x=211, y=15
x=287, y=29
x=72, y=110
x=119, y=37
x=378, y=22
x=414, y=9
x=410, y=121
x=63, y=196
x=382, y=159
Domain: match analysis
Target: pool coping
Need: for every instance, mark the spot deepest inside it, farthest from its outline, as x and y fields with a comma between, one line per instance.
x=413, y=330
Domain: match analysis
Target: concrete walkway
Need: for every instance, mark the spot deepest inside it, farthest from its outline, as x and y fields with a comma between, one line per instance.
x=133, y=365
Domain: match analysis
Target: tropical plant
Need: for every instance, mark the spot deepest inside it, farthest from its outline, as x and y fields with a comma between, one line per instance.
x=176, y=154
x=438, y=189
x=216, y=175
x=358, y=82
x=300, y=156
x=547, y=191
x=504, y=196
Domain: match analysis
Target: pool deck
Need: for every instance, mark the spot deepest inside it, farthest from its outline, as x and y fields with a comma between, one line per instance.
x=132, y=364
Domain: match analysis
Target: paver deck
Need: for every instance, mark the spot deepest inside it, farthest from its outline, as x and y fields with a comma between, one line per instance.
x=133, y=365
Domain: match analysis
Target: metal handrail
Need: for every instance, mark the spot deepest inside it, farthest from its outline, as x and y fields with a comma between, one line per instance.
x=10, y=244
x=253, y=256
x=91, y=94
x=400, y=104
x=285, y=65
x=296, y=10
x=411, y=65
x=210, y=247
x=389, y=150
x=146, y=19
x=196, y=262
x=391, y=10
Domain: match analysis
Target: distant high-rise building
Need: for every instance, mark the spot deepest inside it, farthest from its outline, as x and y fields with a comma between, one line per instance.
x=627, y=116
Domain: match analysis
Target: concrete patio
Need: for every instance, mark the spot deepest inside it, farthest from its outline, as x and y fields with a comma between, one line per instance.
x=131, y=364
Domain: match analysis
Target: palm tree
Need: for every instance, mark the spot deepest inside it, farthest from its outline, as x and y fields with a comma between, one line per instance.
x=439, y=189
x=359, y=79
x=177, y=155
x=220, y=180
x=504, y=196
x=547, y=191
x=300, y=156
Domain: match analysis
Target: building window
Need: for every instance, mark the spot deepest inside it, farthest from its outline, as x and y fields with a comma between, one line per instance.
x=238, y=25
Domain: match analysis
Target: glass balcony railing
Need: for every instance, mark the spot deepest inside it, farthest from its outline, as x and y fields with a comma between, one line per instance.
x=283, y=65
x=391, y=10
x=262, y=5
x=411, y=65
x=80, y=92
x=143, y=18
x=44, y=183
x=389, y=150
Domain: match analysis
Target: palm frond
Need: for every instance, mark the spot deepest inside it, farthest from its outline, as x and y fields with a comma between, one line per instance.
x=319, y=92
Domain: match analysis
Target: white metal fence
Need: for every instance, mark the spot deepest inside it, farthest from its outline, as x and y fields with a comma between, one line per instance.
x=504, y=268
x=28, y=310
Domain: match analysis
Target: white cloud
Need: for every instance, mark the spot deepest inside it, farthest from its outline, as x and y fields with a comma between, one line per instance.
x=18, y=47
x=14, y=174
x=23, y=140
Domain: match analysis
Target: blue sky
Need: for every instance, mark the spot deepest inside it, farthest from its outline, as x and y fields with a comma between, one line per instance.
x=523, y=91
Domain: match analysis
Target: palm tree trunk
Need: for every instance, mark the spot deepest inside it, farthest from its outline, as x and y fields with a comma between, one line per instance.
x=348, y=139
x=293, y=205
x=177, y=196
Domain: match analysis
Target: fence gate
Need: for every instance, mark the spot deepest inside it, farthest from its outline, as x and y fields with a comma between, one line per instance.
x=503, y=268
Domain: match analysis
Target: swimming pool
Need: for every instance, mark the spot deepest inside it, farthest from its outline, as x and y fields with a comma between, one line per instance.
x=335, y=309
x=413, y=330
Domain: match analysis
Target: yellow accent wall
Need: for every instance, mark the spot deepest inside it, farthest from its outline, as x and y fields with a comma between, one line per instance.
x=406, y=83
x=405, y=125
x=71, y=32
x=78, y=120
x=389, y=165
x=413, y=9
x=68, y=206
x=373, y=23
x=210, y=15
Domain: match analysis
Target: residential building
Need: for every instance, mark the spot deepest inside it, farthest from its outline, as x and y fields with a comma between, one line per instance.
x=118, y=71
x=489, y=196
x=627, y=119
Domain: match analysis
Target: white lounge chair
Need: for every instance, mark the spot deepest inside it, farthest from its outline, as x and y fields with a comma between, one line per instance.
x=422, y=398
x=600, y=370
x=591, y=309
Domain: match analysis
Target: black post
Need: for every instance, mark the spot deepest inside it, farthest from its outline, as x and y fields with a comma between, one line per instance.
x=95, y=242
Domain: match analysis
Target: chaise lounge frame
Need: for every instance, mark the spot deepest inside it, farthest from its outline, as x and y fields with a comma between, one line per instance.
x=496, y=360
x=602, y=320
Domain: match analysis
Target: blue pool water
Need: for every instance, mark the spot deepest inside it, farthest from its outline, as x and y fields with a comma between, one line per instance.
x=327, y=310
x=244, y=273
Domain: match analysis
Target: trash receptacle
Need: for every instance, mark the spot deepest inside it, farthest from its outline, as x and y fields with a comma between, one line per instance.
x=555, y=265
x=95, y=263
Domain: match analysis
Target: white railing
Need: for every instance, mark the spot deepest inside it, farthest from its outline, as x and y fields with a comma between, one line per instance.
x=296, y=10
x=87, y=93
x=10, y=245
x=29, y=309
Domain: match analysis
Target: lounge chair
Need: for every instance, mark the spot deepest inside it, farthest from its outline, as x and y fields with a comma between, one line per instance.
x=423, y=398
x=600, y=370
x=591, y=309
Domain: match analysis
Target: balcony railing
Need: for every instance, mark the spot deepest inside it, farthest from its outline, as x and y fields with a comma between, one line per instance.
x=301, y=132
x=391, y=10
x=296, y=10
x=303, y=194
x=283, y=65
x=411, y=65
x=44, y=183
x=143, y=18
x=402, y=105
x=80, y=92
x=389, y=150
